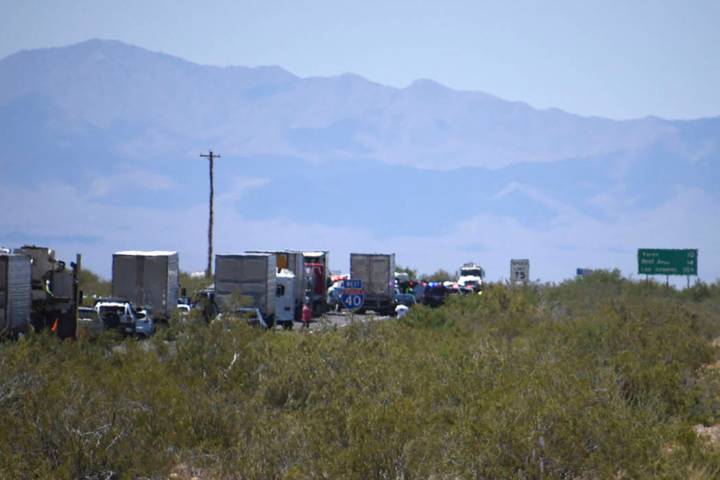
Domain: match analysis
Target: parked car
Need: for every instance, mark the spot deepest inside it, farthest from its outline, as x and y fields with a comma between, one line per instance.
x=435, y=294
x=144, y=324
x=119, y=314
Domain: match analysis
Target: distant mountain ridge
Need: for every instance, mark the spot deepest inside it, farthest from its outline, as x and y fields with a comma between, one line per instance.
x=269, y=111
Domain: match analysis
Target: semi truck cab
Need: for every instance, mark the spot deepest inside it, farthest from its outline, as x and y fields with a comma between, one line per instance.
x=471, y=275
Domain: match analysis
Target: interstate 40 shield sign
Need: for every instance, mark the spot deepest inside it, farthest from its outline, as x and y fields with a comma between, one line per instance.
x=353, y=295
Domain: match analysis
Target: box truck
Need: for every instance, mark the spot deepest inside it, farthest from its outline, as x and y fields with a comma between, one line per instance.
x=54, y=291
x=377, y=272
x=293, y=261
x=248, y=275
x=147, y=279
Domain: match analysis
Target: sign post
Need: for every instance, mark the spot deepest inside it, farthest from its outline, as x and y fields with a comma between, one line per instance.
x=519, y=270
x=353, y=295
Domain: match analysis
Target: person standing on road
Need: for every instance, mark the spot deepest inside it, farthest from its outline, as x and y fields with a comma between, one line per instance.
x=306, y=315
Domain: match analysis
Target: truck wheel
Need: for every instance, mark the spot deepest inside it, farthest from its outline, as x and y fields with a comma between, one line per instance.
x=288, y=325
x=270, y=321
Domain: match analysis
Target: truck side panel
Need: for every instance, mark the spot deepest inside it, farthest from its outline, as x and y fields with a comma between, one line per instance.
x=250, y=275
x=15, y=293
x=147, y=280
x=377, y=272
x=124, y=277
x=173, y=283
x=154, y=285
x=297, y=266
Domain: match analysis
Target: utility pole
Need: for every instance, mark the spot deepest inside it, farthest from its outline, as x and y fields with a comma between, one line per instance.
x=210, y=156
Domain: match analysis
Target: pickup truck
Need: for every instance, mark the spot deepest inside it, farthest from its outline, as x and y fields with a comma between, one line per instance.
x=119, y=314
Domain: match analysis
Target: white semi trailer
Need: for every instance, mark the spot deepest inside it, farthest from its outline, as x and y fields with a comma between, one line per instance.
x=377, y=272
x=147, y=279
x=249, y=275
x=293, y=261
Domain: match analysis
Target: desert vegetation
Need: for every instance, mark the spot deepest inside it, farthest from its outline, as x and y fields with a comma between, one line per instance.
x=599, y=377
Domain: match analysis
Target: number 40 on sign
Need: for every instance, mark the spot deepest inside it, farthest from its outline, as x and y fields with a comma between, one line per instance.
x=353, y=295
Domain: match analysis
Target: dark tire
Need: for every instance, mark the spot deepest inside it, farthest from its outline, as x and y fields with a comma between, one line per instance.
x=270, y=321
x=287, y=325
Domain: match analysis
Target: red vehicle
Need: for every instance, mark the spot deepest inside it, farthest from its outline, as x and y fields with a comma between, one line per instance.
x=317, y=275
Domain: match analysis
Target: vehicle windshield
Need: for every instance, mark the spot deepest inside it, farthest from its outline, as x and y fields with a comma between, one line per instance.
x=88, y=314
x=112, y=310
x=113, y=315
x=471, y=272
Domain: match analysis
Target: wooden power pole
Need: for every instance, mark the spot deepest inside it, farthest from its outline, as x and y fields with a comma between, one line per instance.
x=211, y=157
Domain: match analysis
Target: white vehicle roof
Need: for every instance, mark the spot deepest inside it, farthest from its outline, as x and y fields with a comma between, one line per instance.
x=111, y=304
x=151, y=253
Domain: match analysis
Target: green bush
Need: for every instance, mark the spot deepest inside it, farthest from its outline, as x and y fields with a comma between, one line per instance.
x=599, y=377
x=92, y=285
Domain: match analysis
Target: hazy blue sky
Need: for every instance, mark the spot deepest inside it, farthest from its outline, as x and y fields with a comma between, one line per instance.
x=618, y=59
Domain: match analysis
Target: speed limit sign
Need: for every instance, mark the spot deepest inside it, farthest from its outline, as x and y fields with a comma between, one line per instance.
x=519, y=270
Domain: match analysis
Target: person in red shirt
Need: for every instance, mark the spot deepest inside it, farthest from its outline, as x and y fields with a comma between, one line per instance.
x=306, y=315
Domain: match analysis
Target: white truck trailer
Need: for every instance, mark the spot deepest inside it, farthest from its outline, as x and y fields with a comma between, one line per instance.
x=377, y=272
x=251, y=275
x=293, y=261
x=147, y=279
x=15, y=294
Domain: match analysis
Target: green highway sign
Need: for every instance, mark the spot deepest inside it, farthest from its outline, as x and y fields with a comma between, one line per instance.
x=657, y=261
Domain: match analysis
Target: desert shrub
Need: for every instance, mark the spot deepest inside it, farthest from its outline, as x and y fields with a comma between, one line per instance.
x=92, y=286
x=193, y=284
x=599, y=377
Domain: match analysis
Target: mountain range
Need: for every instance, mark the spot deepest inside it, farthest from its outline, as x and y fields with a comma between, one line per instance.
x=101, y=142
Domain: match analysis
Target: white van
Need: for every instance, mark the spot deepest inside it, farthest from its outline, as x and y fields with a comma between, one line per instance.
x=285, y=299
